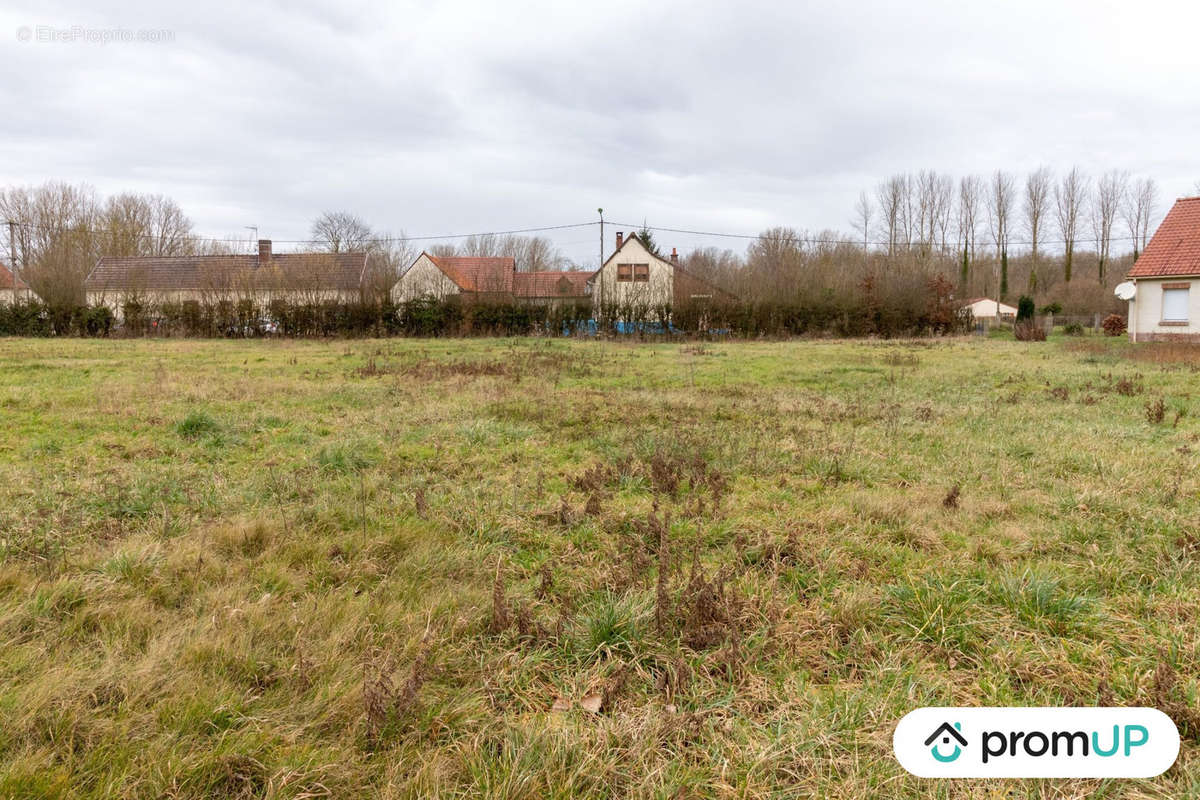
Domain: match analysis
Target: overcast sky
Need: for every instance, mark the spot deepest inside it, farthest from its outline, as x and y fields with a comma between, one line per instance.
x=447, y=117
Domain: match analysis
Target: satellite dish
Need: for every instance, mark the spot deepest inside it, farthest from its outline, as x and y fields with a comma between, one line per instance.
x=1126, y=290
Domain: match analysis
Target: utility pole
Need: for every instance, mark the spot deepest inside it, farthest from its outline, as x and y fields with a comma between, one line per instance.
x=601, y=212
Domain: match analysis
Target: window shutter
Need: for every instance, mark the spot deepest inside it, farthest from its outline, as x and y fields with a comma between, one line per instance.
x=1175, y=305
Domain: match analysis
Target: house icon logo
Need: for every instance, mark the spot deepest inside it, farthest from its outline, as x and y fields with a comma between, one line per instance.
x=946, y=732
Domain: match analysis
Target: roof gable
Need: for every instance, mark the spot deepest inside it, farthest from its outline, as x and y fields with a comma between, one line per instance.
x=1175, y=247
x=677, y=270
x=626, y=243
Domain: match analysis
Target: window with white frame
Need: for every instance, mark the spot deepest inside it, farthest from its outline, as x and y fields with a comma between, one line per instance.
x=1175, y=302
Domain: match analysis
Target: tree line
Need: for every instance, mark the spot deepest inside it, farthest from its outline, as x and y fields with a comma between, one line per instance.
x=1064, y=239
x=61, y=230
x=932, y=211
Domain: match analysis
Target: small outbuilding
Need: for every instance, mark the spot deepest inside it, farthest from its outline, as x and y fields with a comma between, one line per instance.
x=1163, y=306
x=987, y=310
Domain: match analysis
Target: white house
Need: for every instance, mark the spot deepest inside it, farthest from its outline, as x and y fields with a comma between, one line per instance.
x=633, y=279
x=984, y=309
x=633, y=282
x=1166, y=278
x=295, y=277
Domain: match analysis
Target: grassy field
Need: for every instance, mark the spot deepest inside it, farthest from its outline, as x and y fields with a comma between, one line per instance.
x=545, y=569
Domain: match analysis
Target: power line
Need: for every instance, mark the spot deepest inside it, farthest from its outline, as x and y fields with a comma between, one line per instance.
x=805, y=239
x=371, y=240
x=856, y=241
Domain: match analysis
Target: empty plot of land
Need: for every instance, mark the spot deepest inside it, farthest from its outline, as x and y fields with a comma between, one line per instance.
x=532, y=569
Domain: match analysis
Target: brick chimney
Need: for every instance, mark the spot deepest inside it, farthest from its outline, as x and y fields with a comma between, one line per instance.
x=674, y=256
x=264, y=252
x=620, y=238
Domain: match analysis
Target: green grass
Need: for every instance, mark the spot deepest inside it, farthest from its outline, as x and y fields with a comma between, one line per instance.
x=370, y=568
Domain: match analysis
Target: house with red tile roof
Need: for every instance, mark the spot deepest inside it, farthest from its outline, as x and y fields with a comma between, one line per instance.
x=12, y=287
x=261, y=277
x=1166, y=276
x=484, y=279
x=633, y=283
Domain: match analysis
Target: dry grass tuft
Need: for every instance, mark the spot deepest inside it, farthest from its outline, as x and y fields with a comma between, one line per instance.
x=951, y=498
x=698, y=561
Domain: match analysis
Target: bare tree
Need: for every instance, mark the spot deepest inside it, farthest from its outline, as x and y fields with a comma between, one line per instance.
x=1070, y=195
x=970, y=188
x=144, y=225
x=1148, y=202
x=722, y=267
x=943, y=209
x=1000, y=197
x=443, y=250
x=776, y=261
x=863, y=211
x=530, y=253
x=1110, y=190
x=387, y=257
x=892, y=195
x=925, y=210
x=56, y=237
x=932, y=209
x=1037, y=205
x=340, y=232
x=1137, y=208
x=909, y=213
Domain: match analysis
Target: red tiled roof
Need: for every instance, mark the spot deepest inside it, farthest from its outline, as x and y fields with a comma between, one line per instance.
x=1175, y=247
x=7, y=281
x=478, y=274
x=550, y=284
x=310, y=271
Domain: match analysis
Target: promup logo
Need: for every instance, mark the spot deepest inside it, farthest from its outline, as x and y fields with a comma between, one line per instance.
x=946, y=732
x=1036, y=742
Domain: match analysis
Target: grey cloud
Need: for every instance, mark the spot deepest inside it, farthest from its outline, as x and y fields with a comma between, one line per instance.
x=443, y=117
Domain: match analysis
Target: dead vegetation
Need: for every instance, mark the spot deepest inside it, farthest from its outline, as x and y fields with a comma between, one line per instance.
x=514, y=365
x=648, y=582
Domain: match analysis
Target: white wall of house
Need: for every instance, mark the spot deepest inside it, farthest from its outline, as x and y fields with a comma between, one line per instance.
x=611, y=292
x=116, y=300
x=987, y=310
x=1165, y=308
x=423, y=279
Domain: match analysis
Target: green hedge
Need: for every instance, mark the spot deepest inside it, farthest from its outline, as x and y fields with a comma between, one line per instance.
x=820, y=315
